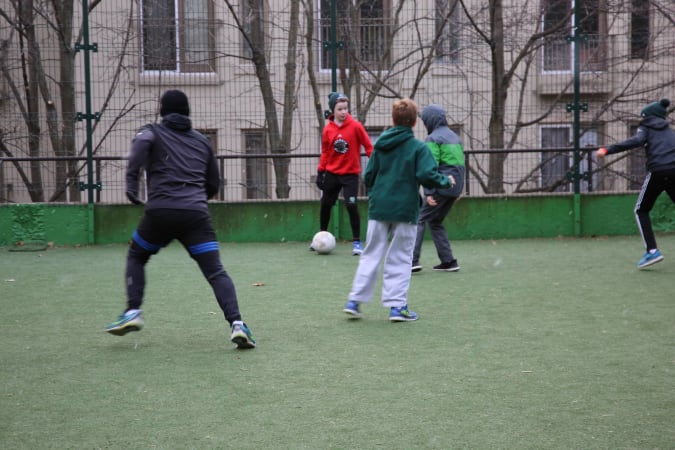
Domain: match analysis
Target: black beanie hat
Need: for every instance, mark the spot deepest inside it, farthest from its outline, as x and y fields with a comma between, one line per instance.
x=659, y=109
x=334, y=98
x=174, y=101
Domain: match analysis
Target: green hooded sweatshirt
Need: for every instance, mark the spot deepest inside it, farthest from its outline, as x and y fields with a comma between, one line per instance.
x=398, y=165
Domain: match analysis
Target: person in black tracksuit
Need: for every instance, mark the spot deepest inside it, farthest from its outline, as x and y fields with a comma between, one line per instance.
x=658, y=140
x=182, y=174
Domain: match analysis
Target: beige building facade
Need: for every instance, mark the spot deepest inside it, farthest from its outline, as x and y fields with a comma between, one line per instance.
x=258, y=74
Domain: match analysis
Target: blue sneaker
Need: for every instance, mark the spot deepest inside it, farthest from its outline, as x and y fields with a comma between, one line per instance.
x=650, y=258
x=128, y=321
x=242, y=336
x=357, y=248
x=402, y=314
x=352, y=308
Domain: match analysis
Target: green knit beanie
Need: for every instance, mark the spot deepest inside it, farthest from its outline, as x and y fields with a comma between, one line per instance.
x=658, y=109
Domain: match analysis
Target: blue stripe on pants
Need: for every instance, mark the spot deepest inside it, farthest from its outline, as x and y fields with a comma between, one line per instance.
x=203, y=248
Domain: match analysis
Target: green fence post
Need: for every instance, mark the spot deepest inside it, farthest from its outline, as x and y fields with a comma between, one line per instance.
x=576, y=107
x=87, y=116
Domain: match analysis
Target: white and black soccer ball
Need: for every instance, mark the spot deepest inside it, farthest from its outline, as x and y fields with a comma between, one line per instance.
x=323, y=242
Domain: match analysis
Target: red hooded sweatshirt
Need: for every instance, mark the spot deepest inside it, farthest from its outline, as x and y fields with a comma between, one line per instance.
x=341, y=147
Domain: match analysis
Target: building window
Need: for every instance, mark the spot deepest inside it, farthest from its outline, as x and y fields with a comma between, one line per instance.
x=252, y=22
x=639, y=29
x=637, y=164
x=559, y=50
x=256, y=168
x=363, y=29
x=556, y=163
x=212, y=135
x=178, y=35
x=448, y=29
x=373, y=133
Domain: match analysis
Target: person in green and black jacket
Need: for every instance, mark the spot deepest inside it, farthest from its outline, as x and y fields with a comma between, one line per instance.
x=448, y=152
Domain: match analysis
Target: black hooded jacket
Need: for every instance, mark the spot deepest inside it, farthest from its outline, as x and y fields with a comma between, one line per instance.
x=182, y=172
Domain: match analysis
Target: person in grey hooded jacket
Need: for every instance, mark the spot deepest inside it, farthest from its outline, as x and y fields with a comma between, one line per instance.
x=658, y=140
x=448, y=151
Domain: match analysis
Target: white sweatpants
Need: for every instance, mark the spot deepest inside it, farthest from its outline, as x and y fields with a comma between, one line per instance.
x=397, y=255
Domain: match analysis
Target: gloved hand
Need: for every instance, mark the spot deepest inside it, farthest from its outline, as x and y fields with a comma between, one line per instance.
x=133, y=198
x=320, y=176
x=601, y=152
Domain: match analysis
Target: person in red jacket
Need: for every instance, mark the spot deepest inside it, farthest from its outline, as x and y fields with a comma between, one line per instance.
x=340, y=164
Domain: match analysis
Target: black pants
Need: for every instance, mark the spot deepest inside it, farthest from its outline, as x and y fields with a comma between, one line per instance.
x=193, y=229
x=655, y=183
x=332, y=185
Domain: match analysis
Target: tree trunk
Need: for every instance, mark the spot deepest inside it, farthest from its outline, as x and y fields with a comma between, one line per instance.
x=499, y=94
x=68, y=170
x=29, y=57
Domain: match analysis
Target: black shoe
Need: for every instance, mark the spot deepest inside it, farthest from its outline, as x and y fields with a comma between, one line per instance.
x=416, y=267
x=451, y=266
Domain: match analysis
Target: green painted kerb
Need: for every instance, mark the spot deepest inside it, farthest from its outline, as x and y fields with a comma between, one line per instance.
x=470, y=218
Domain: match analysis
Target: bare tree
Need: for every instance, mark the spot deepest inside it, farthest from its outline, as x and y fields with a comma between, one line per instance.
x=279, y=130
x=44, y=95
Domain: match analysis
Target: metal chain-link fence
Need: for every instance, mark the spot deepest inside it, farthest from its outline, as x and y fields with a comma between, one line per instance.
x=258, y=74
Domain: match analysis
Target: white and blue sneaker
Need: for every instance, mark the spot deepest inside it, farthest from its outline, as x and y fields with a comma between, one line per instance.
x=357, y=248
x=352, y=308
x=651, y=257
x=402, y=314
x=241, y=335
x=131, y=320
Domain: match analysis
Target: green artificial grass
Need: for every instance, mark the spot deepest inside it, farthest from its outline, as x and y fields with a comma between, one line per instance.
x=533, y=344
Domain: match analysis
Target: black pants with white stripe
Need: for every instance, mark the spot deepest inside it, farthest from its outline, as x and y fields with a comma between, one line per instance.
x=655, y=183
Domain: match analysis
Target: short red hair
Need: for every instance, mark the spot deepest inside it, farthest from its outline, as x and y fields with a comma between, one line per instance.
x=404, y=112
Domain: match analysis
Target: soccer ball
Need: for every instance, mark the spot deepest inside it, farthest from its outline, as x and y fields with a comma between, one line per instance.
x=323, y=242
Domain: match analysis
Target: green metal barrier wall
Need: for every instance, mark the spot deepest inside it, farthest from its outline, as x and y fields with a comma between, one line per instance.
x=471, y=218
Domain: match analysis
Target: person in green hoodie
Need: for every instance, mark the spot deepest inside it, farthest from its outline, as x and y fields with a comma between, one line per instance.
x=399, y=164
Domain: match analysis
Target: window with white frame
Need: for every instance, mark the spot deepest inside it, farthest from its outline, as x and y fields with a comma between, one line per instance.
x=556, y=163
x=253, y=24
x=448, y=27
x=256, y=171
x=637, y=164
x=178, y=35
x=559, y=49
x=363, y=29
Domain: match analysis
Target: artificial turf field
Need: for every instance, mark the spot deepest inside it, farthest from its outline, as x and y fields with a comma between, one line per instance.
x=533, y=344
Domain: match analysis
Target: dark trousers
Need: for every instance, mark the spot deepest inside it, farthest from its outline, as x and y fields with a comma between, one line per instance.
x=655, y=183
x=332, y=185
x=193, y=229
x=433, y=216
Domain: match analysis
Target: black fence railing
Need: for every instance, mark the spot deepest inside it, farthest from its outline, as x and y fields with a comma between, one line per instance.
x=256, y=177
